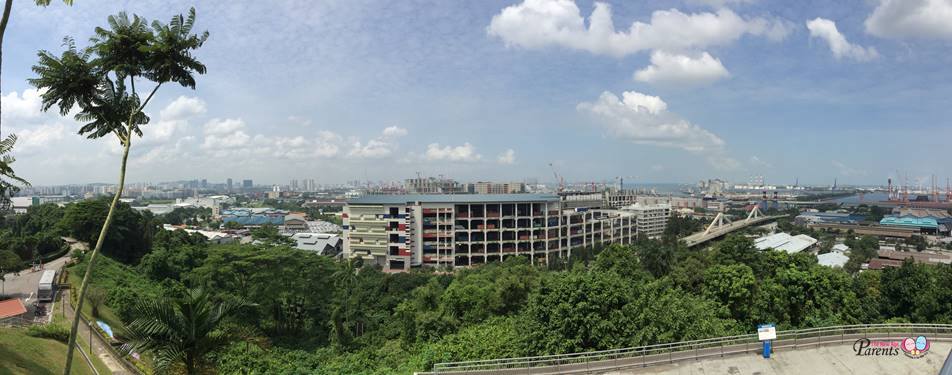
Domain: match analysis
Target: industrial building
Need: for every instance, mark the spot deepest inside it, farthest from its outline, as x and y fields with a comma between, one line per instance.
x=785, y=242
x=400, y=231
x=254, y=217
x=320, y=243
x=806, y=218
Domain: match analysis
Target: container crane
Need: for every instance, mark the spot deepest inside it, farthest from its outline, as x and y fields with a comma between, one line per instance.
x=558, y=178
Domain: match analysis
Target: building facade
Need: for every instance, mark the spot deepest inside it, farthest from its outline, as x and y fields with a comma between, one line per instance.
x=498, y=188
x=651, y=219
x=400, y=231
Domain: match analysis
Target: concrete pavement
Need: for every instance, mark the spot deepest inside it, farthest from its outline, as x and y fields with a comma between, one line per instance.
x=24, y=285
x=828, y=359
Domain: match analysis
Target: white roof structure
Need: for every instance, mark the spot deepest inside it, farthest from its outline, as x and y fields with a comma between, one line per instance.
x=841, y=248
x=322, y=243
x=213, y=236
x=832, y=259
x=785, y=242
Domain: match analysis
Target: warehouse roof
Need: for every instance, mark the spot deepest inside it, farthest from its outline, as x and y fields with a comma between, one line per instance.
x=910, y=221
x=785, y=242
x=453, y=198
x=832, y=259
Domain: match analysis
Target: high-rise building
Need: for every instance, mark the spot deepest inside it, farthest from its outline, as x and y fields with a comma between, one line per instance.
x=247, y=184
x=229, y=184
x=399, y=231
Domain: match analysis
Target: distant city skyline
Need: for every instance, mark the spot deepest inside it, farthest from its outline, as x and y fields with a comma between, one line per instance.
x=672, y=91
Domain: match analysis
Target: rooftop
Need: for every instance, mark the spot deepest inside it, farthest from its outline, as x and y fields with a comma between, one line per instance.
x=11, y=308
x=785, y=242
x=453, y=198
x=832, y=259
x=910, y=221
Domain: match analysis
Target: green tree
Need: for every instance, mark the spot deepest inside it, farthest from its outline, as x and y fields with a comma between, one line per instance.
x=656, y=258
x=9, y=182
x=269, y=233
x=233, y=225
x=128, y=237
x=733, y=286
x=580, y=310
x=737, y=249
x=95, y=80
x=179, y=333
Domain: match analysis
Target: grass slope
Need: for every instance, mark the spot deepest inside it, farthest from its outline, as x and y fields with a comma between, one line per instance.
x=22, y=354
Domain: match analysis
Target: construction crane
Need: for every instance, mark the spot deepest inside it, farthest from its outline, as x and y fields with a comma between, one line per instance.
x=558, y=178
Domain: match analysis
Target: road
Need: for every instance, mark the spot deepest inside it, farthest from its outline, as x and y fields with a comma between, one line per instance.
x=23, y=286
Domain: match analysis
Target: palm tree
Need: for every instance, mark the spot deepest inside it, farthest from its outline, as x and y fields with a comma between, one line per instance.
x=95, y=79
x=179, y=332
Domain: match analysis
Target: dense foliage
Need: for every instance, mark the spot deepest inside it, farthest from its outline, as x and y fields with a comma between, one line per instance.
x=310, y=314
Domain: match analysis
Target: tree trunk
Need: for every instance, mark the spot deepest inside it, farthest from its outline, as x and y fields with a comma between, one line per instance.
x=3, y=28
x=92, y=258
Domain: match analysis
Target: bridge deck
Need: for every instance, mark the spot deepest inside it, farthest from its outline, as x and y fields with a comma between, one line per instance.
x=700, y=237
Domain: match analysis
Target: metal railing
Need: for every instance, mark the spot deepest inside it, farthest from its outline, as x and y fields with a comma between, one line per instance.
x=648, y=355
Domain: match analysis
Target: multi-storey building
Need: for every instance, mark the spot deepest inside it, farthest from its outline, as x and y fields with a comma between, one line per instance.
x=498, y=187
x=399, y=231
x=620, y=198
x=651, y=219
x=430, y=185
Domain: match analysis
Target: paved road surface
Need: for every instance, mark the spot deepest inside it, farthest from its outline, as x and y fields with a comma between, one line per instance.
x=830, y=359
x=24, y=286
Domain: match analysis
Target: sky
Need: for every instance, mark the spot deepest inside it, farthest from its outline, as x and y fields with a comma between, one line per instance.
x=651, y=91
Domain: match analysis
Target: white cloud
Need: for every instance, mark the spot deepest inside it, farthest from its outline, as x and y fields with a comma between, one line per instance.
x=825, y=29
x=394, y=131
x=464, y=153
x=721, y=3
x=374, y=148
x=644, y=119
x=183, y=107
x=911, y=19
x=219, y=126
x=225, y=134
x=507, y=157
x=38, y=138
x=22, y=106
x=544, y=23
x=379, y=147
x=669, y=69
x=848, y=171
x=757, y=162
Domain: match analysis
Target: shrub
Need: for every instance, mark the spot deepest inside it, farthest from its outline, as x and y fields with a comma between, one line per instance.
x=49, y=331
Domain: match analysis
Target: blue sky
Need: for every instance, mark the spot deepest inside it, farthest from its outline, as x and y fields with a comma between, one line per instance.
x=497, y=90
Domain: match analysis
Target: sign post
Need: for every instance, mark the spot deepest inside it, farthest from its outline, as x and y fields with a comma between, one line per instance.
x=765, y=333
